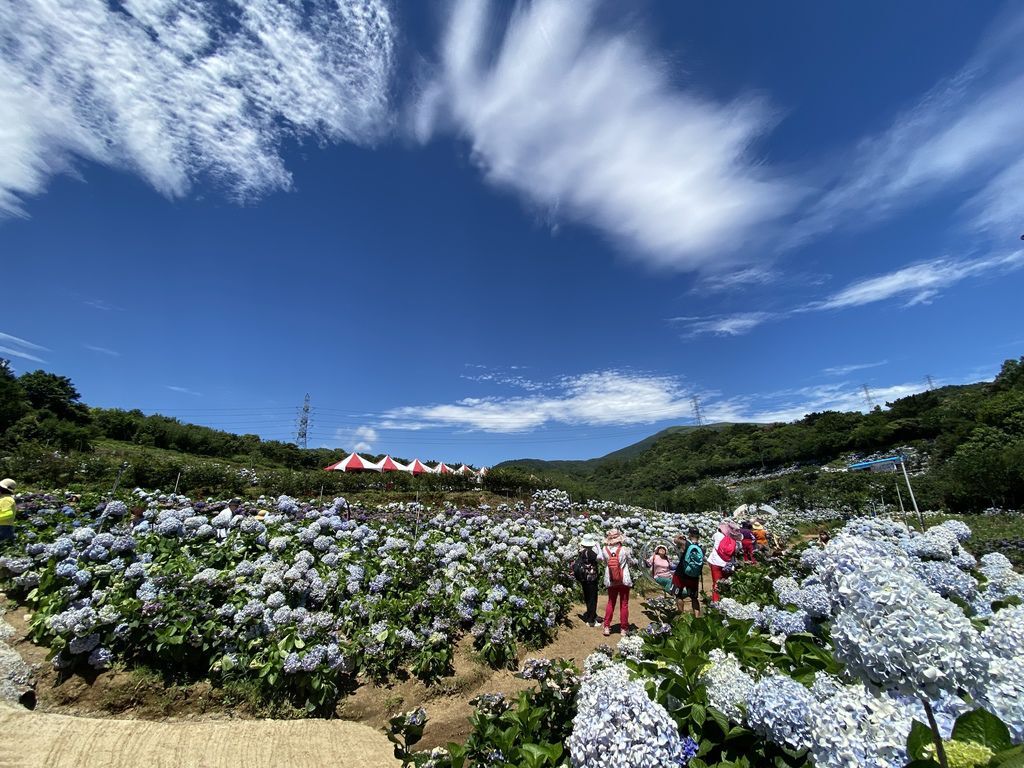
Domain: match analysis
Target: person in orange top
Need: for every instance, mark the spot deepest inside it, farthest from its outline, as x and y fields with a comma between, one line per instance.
x=760, y=536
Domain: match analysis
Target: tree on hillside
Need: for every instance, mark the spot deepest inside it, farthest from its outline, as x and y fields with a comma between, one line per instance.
x=54, y=394
x=13, y=403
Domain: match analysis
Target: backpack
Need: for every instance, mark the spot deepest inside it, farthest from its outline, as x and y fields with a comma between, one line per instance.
x=614, y=565
x=585, y=570
x=726, y=548
x=693, y=561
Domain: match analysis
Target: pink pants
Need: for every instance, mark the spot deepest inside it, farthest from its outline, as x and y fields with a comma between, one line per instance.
x=716, y=575
x=748, y=551
x=620, y=593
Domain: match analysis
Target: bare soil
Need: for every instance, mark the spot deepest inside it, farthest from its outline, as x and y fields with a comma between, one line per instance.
x=198, y=724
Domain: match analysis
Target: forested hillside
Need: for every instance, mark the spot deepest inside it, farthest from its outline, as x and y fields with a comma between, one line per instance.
x=49, y=437
x=968, y=444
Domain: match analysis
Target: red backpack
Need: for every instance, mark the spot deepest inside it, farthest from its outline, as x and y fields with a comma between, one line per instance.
x=614, y=566
x=727, y=548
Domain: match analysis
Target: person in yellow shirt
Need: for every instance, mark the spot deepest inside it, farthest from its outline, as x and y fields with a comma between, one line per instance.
x=7, y=487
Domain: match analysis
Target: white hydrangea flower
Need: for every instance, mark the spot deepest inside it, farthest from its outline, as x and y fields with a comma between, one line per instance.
x=1000, y=690
x=617, y=724
x=1004, y=636
x=896, y=633
x=728, y=686
x=631, y=647
x=783, y=711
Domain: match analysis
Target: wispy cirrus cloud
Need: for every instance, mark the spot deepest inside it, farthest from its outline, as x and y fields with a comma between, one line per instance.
x=734, y=324
x=101, y=304
x=789, y=405
x=178, y=89
x=583, y=122
x=182, y=390
x=621, y=398
x=14, y=346
x=915, y=284
x=598, y=398
x=102, y=350
x=843, y=370
x=502, y=376
x=967, y=133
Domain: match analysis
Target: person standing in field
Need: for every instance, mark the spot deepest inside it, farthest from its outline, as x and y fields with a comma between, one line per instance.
x=723, y=550
x=760, y=536
x=661, y=568
x=617, y=558
x=7, y=487
x=686, y=578
x=747, y=531
x=586, y=572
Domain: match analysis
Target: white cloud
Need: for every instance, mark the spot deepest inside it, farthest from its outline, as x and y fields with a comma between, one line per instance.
x=723, y=325
x=175, y=90
x=998, y=207
x=794, y=404
x=14, y=346
x=719, y=282
x=597, y=398
x=102, y=350
x=843, y=370
x=965, y=131
x=361, y=439
x=100, y=304
x=918, y=283
x=586, y=123
x=183, y=390
x=497, y=376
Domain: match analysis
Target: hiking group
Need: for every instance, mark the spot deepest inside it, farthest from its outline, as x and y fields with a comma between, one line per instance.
x=608, y=563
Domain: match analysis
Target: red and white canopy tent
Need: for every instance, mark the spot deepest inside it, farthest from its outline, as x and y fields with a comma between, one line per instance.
x=416, y=467
x=354, y=463
x=387, y=464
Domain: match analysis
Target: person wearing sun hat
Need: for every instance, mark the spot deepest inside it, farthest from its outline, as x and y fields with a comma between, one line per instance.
x=661, y=567
x=7, y=488
x=617, y=558
x=585, y=570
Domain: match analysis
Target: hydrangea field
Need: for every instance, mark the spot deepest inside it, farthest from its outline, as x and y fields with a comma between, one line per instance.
x=884, y=648
x=311, y=598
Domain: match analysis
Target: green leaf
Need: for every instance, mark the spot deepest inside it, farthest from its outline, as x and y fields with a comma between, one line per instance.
x=920, y=737
x=983, y=728
x=1010, y=758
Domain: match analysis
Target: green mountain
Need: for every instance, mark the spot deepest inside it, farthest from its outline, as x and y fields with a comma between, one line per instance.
x=966, y=444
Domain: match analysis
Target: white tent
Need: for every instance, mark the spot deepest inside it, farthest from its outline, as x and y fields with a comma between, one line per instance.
x=754, y=510
x=387, y=464
x=354, y=463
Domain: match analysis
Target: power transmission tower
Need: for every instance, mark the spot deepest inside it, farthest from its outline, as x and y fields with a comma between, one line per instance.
x=302, y=435
x=931, y=381
x=867, y=397
x=698, y=417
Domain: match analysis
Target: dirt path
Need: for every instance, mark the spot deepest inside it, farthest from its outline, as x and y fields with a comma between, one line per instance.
x=153, y=726
x=449, y=716
x=31, y=739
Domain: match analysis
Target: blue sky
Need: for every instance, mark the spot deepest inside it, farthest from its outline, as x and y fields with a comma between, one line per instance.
x=478, y=231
